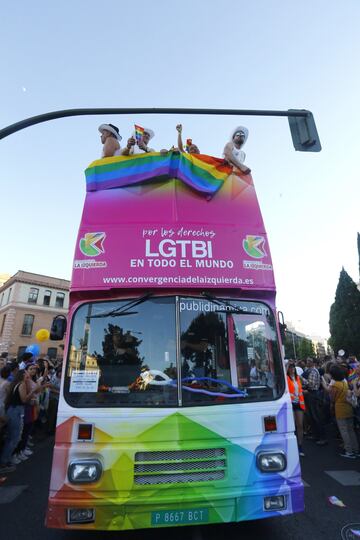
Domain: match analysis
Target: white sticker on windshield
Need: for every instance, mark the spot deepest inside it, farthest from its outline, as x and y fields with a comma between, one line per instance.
x=250, y=353
x=84, y=381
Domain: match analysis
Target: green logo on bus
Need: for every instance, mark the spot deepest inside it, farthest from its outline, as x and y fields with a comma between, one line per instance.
x=92, y=244
x=254, y=246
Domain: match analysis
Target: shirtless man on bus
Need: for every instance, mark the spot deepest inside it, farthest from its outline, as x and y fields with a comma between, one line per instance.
x=110, y=138
x=233, y=152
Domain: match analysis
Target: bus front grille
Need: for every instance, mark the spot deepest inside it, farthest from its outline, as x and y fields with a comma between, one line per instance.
x=179, y=466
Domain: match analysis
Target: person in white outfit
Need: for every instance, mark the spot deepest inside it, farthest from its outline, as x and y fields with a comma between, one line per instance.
x=110, y=138
x=233, y=152
x=141, y=146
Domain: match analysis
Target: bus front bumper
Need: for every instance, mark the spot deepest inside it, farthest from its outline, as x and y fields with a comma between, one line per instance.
x=110, y=514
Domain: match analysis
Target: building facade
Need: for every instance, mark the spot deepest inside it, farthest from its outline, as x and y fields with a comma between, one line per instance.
x=321, y=347
x=298, y=345
x=29, y=302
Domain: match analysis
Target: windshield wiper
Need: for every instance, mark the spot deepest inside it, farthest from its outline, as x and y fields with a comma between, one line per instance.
x=221, y=302
x=124, y=310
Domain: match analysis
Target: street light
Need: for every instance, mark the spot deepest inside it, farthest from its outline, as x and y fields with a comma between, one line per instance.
x=301, y=122
x=294, y=347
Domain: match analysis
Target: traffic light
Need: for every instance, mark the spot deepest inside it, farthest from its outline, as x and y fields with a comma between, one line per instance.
x=303, y=132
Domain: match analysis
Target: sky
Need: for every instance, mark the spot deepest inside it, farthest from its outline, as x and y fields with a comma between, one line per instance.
x=264, y=54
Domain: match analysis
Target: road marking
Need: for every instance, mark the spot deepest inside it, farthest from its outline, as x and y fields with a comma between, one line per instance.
x=8, y=494
x=350, y=531
x=345, y=478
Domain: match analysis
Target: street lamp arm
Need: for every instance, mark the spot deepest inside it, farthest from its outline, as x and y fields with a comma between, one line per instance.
x=46, y=117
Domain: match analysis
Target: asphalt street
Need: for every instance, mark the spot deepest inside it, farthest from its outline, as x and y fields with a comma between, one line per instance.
x=23, y=499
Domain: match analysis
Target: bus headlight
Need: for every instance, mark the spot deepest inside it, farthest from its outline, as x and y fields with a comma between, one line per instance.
x=84, y=471
x=271, y=461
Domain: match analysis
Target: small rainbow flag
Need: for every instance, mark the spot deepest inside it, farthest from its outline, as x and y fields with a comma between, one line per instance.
x=352, y=375
x=139, y=132
x=188, y=144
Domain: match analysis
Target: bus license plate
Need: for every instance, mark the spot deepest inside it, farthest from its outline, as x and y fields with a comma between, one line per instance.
x=178, y=517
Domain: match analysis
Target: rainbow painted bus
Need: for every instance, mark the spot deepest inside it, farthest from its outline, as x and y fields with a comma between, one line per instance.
x=173, y=407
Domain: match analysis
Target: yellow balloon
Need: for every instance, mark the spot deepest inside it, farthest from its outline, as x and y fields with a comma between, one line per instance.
x=42, y=334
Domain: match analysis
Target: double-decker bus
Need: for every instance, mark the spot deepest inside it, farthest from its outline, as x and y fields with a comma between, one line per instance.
x=173, y=407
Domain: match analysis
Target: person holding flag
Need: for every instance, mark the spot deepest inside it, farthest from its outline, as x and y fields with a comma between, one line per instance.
x=138, y=142
x=139, y=132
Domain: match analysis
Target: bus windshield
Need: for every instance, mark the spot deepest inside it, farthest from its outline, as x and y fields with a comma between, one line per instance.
x=172, y=351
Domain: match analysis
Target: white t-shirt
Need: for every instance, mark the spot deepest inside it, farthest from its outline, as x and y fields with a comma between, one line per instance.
x=254, y=375
x=296, y=392
x=136, y=150
x=238, y=154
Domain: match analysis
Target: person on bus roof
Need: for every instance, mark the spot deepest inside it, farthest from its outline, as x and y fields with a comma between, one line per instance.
x=141, y=146
x=110, y=138
x=190, y=148
x=233, y=152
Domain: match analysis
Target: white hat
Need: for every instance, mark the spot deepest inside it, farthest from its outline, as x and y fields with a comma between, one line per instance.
x=150, y=132
x=113, y=129
x=244, y=130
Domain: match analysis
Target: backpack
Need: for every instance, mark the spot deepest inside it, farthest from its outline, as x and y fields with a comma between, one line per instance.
x=10, y=396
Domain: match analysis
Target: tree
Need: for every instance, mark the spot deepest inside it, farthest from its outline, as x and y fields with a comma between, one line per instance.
x=306, y=348
x=345, y=316
x=297, y=347
x=119, y=348
x=203, y=342
x=290, y=346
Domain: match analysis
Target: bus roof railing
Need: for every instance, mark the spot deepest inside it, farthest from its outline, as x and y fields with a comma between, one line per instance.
x=302, y=124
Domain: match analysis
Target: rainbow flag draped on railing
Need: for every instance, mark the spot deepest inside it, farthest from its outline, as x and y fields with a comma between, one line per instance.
x=205, y=174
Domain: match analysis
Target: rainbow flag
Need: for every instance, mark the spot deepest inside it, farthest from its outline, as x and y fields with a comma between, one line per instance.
x=188, y=144
x=204, y=174
x=352, y=372
x=139, y=132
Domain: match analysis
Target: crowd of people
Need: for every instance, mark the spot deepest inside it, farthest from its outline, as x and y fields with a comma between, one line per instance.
x=138, y=143
x=323, y=394
x=29, y=394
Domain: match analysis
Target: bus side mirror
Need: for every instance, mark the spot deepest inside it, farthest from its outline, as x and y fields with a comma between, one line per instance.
x=303, y=132
x=282, y=326
x=58, y=328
